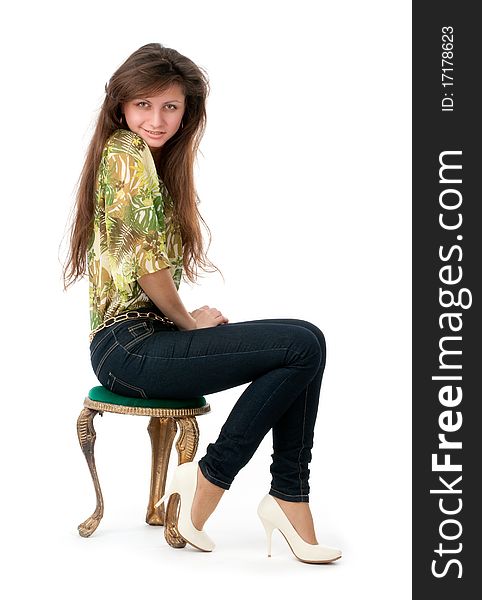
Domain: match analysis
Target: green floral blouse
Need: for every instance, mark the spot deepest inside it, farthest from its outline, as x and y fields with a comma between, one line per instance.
x=134, y=233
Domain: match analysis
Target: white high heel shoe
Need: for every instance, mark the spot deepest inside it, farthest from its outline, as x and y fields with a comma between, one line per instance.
x=184, y=483
x=273, y=517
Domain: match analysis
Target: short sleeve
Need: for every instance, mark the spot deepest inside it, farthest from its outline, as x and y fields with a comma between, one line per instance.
x=135, y=231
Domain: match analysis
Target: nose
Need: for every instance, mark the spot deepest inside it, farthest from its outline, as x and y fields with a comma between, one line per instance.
x=156, y=121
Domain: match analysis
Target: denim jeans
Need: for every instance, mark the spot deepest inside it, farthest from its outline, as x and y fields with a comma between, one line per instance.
x=284, y=360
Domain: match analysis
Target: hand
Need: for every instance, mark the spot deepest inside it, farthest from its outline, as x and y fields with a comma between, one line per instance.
x=197, y=311
x=208, y=317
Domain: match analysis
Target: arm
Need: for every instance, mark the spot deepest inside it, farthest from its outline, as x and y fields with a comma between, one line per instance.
x=135, y=229
x=160, y=288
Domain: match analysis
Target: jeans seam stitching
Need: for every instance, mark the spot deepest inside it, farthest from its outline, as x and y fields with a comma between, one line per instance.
x=140, y=338
x=302, y=444
x=110, y=329
x=149, y=331
x=101, y=363
x=128, y=385
x=264, y=403
x=99, y=342
x=132, y=328
x=212, y=477
x=201, y=356
x=290, y=495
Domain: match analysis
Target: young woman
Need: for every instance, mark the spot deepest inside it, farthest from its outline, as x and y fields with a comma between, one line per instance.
x=136, y=231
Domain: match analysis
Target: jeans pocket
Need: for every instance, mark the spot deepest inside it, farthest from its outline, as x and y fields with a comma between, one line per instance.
x=138, y=332
x=123, y=388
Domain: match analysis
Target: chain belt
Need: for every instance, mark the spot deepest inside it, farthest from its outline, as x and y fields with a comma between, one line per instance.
x=132, y=314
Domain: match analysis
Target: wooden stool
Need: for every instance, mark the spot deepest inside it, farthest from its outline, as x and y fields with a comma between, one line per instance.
x=166, y=415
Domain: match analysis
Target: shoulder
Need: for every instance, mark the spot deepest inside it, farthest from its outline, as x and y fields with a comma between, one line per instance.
x=124, y=141
x=127, y=158
x=125, y=150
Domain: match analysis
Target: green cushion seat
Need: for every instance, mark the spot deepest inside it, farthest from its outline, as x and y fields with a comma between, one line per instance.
x=102, y=394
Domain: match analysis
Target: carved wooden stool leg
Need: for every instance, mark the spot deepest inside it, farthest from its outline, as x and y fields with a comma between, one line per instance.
x=86, y=434
x=162, y=431
x=188, y=439
x=186, y=446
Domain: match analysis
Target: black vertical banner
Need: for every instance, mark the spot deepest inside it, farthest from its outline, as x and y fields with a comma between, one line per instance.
x=447, y=258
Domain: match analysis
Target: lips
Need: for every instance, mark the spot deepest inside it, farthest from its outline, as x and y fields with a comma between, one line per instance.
x=155, y=133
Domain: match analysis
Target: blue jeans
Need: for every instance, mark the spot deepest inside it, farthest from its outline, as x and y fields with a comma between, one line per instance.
x=284, y=360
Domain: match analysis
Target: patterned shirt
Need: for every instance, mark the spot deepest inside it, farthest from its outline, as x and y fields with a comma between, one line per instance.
x=134, y=232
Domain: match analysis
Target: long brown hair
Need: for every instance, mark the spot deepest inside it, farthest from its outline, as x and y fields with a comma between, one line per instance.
x=149, y=71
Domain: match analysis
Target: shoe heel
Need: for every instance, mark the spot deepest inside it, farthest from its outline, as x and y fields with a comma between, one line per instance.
x=184, y=485
x=173, y=490
x=268, y=527
x=165, y=497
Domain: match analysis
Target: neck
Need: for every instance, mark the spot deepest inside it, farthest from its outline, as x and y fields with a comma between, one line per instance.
x=156, y=154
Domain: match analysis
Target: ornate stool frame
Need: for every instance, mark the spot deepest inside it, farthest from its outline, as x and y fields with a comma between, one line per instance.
x=162, y=428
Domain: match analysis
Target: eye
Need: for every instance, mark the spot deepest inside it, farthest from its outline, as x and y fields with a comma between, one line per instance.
x=171, y=106
x=141, y=102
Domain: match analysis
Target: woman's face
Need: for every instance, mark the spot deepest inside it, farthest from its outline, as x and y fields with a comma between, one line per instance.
x=157, y=118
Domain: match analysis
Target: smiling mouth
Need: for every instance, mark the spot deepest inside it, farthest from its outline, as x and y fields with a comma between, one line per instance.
x=154, y=132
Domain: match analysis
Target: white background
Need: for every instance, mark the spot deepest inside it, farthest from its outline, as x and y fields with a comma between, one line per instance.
x=304, y=181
